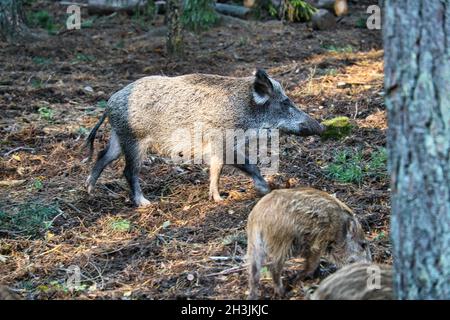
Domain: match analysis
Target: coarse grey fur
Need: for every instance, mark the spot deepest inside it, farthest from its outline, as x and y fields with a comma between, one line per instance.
x=146, y=113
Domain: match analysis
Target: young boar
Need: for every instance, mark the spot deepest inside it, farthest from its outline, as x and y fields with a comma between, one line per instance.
x=301, y=222
x=6, y=294
x=146, y=113
x=358, y=281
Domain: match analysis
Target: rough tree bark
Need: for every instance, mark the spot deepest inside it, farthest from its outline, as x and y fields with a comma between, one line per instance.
x=174, y=41
x=417, y=85
x=12, y=24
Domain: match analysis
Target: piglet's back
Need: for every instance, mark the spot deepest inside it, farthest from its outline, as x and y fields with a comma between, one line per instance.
x=302, y=205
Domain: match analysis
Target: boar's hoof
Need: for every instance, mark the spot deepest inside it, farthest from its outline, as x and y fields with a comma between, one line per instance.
x=262, y=189
x=88, y=185
x=215, y=197
x=141, y=202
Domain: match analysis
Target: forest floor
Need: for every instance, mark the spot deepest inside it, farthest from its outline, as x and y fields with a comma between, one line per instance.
x=52, y=91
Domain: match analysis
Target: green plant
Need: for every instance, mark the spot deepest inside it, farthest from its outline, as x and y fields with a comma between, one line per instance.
x=30, y=219
x=57, y=286
x=331, y=72
x=46, y=113
x=265, y=273
x=119, y=44
x=41, y=60
x=199, y=15
x=102, y=104
x=81, y=57
x=88, y=23
x=380, y=236
x=121, y=225
x=346, y=167
x=297, y=10
x=339, y=49
x=349, y=166
x=37, y=83
x=145, y=15
x=37, y=184
x=361, y=23
x=43, y=20
x=272, y=10
x=378, y=163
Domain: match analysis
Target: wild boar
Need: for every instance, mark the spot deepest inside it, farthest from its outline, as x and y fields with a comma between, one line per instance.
x=146, y=113
x=7, y=294
x=358, y=281
x=301, y=222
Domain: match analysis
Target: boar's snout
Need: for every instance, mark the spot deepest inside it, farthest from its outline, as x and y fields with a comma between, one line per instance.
x=311, y=127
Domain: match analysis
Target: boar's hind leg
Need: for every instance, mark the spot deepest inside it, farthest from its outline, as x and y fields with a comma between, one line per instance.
x=105, y=157
x=275, y=269
x=256, y=258
x=214, y=173
x=133, y=159
x=253, y=171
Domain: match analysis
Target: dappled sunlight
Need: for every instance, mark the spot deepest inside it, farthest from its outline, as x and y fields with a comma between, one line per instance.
x=182, y=245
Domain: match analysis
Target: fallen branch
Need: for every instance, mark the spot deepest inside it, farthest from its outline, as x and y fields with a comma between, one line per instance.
x=69, y=205
x=233, y=10
x=11, y=183
x=220, y=258
x=228, y=271
x=109, y=6
x=17, y=149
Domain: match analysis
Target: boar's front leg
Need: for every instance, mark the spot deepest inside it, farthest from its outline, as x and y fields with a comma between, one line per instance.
x=133, y=159
x=215, y=169
x=312, y=262
x=252, y=170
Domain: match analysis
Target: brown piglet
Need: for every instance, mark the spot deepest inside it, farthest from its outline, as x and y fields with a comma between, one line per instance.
x=301, y=222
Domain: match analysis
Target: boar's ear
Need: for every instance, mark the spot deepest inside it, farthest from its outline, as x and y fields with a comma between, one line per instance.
x=353, y=227
x=262, y=87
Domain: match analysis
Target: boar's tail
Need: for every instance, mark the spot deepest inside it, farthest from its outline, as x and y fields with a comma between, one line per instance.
x=90, y=139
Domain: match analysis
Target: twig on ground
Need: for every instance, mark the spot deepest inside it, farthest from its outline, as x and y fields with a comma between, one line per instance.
x=17, y=149
x=69, y=205
x=228, y=271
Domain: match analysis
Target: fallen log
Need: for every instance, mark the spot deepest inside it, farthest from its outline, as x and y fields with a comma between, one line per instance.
x=233, y=10
x=130, y=6
x=109, y=6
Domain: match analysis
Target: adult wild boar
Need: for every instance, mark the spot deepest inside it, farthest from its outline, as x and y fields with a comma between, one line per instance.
x=146, y=113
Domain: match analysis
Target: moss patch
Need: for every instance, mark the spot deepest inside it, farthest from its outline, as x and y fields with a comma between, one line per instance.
x=337, y=128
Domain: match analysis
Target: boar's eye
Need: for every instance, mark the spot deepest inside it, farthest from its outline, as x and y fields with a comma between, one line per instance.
x=286, y=102
x=364, y=245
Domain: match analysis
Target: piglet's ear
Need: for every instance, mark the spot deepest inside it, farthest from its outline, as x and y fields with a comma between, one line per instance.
x=262, y=87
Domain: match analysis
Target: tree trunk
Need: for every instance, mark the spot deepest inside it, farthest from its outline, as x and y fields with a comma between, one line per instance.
x=12, y=26
x=174, y=41
x=417, y=86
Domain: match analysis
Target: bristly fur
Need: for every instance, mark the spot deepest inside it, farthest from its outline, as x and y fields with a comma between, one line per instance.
x=302, y=222
x=150, y=112
x=351, y=283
